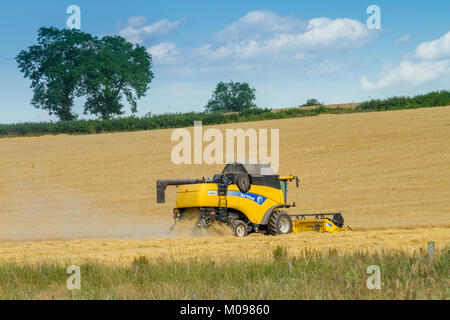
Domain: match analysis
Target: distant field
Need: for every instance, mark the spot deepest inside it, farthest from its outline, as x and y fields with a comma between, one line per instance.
x=383, y=171
x=330, y=106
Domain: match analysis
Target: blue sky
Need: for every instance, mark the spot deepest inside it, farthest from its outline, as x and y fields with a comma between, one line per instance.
x=288, y=51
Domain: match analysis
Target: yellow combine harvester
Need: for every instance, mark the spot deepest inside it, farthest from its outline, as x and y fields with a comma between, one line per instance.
x=249, y=198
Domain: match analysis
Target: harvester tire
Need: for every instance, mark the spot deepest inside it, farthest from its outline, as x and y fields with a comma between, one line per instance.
x=233, y=223
x=279, y=223
x=240, y=228
x=242, y=181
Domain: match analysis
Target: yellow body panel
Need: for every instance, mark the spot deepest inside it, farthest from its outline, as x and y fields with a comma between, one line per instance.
x=322, y=225
x=254, y=204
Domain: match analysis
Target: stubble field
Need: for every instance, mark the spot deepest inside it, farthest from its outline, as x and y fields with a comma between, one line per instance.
x=80, y=198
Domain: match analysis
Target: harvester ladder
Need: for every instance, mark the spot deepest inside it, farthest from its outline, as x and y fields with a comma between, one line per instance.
x=222, y=193
x=223, y=203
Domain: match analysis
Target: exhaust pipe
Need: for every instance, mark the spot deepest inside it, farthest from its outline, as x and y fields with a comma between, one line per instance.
x=161, y=186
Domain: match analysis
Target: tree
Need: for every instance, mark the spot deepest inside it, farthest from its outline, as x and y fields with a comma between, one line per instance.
x=232, y=97
x=118, y=68
x=312, y=103
x=55, y=68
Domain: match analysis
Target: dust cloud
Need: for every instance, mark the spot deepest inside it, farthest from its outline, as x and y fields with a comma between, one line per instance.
x=62, y=214
x=187, y=227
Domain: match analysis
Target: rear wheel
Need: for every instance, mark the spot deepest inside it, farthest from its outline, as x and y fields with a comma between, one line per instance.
x=280, y=223
x=233, y=223
x=240, y=228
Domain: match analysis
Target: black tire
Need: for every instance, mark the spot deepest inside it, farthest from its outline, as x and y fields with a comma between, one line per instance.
x=279, y=223
x=242, y=181
x=240, y=228
x=233, y=223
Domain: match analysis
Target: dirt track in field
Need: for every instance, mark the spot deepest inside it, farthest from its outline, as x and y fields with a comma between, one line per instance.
x=382, y=170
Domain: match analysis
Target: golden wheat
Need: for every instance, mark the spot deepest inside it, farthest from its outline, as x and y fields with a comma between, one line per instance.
x=381, y=170
x=218, y=248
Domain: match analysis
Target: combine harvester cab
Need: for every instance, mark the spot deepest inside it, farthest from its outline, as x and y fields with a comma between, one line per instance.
x=247, y=197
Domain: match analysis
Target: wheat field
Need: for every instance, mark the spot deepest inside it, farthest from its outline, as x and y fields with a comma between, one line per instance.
x=388, y=173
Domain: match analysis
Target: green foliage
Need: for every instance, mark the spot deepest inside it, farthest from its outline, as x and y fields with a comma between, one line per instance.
x=140, y=262
x=312, y=103
x=179, y=120
x=309, y=275
x=116, y=68
x=232, y=97
x=162, y=121
x=69, y=63
x=55, y=68
x=280, y=253
x=432, y=99
x=255, y=111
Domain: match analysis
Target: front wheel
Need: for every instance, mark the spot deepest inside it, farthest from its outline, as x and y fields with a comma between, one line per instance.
x=280, y=223
x=240, y=228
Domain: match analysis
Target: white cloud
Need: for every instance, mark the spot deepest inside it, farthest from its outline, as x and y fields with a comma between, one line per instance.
x=257, y=25
x=432, y=62
x=403, y=39
x=164, y=52
x=412, y=73
x=137, y=21
x=434, y=50
x=266, y=34
x=136, y=30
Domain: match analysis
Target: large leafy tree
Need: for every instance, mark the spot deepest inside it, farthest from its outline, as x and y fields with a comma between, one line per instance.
x=232, y=97
x=55, y=67
x=117, y=69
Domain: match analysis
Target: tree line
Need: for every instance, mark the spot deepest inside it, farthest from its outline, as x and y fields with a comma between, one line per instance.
x=178, y=120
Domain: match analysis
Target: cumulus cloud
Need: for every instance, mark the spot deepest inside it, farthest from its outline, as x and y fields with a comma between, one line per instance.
x=137, y=21
x=434, y=50
x=258, y=25
x=164, y=52
x=413, y=73
x=260, y=33
x=432, y=61
x=138, y=31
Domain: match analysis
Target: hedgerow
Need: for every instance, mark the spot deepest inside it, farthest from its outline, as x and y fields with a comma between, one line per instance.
x=179, y=120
